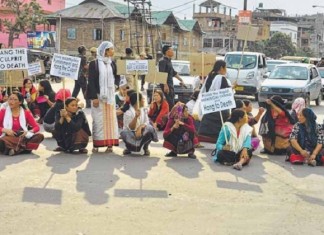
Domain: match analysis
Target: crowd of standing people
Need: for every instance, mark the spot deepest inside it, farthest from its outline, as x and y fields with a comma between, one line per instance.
x=118, y=111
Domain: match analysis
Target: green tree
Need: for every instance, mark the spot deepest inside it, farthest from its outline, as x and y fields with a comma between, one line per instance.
x=27, y=16
x=305, y=52
x=279, y=45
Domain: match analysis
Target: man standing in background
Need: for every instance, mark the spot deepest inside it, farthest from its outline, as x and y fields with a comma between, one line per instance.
x=165, y=65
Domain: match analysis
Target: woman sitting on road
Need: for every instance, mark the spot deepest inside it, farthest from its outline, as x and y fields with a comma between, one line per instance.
x=137, y=132
x=45, y=98
x=29, y=93
x=297, y=106
x=179, y=134
x=71, y=128
x=18, y=127
x=306, y=140
x=49, y=118
x=233, y=146
x=159, y=110
x=276, y=126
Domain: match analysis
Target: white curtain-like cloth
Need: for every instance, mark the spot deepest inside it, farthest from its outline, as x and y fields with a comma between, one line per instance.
x=7, y=122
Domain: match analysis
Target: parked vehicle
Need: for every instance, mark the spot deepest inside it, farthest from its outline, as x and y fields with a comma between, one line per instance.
x=300, y=59
x=252, y=71
x=291, y=81
x=321, y=72
x=271, y=64
x=182, y=93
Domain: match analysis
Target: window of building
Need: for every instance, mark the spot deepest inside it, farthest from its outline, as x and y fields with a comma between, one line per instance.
x=97, y=34
x=193, y=42
x=218, y=42
x=208, y=42
x=164, y=36
x=122, y=35
x=71, y=33
x=185, y=42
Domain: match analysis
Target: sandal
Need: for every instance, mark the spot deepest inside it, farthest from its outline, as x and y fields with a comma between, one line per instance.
x=83, y=150
x=238, y=166
x=109, y=150
x=11, y=152
x=95, y=150
x=312, y=162
x=59, y=149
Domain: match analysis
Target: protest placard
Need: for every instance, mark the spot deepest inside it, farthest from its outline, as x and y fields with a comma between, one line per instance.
x=215, y=101
x=65, y=66
x=35, y=68
x=13, y=59
x=17, y=78
x=201, y=64
x=141, y=66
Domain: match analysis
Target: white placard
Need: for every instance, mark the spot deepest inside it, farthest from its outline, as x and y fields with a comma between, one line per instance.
x=141, y=66
x=65, y=66
x=34, y=69
x=13, y=59
x=215, y=101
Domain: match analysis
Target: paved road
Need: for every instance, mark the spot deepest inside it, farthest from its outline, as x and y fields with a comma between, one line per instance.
x=56, y=193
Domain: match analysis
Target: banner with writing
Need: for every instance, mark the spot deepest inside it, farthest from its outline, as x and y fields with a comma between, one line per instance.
x=215, y=101
x=13, y=59
x=65, y=66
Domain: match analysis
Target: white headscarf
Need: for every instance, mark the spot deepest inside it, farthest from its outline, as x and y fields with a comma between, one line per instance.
x=298, y=105
x=106, y=75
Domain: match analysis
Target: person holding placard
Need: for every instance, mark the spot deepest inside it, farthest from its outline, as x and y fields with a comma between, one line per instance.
x=101, y=90
x=233, y=145
x=165, y=65
x=71, y=128
x=211, y=123
x=18, y=127
x=137, y=132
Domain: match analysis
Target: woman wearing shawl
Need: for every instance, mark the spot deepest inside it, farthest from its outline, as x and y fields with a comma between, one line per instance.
x=18, y=127
x=211, y=124
x=137, y=132
x=101, y=90
x=276, y=126
x=179, y=133
x=306, y=140
x=235, y=140
x=297, y=107
x=159, y=110
x=71, y=128
x=49, y=119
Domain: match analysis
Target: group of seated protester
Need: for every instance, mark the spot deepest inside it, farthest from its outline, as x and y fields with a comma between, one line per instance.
x=292, y=132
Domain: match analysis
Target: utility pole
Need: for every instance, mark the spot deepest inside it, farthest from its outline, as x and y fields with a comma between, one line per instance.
x=245, y=5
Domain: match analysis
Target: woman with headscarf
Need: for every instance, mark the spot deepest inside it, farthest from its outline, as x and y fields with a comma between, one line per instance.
x=159, y=110
x=101, y=90
x=18, y=128
x=137, y=132
x=276, y=126
x=49, y=118
x=179, y=133
x=211, y=123
x=306, y=140
x=297, y=106
x=71, y=128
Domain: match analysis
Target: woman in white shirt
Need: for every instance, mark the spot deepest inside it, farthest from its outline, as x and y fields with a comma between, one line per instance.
x=137, y=131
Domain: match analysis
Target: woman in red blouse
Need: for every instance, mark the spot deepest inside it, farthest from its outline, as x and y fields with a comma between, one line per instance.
x=159, y=110
x=18, y=127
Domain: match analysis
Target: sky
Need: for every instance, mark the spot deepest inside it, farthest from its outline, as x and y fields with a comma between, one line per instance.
x=183, y=8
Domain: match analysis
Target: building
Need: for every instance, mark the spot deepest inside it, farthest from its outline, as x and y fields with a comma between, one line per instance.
x=93, y=21
x=48, y=6
x=279, y=22
x=219, y=26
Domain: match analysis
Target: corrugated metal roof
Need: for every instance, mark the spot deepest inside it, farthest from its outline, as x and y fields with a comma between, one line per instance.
x=189, y=24
x=160, y=17
x=95, y=9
